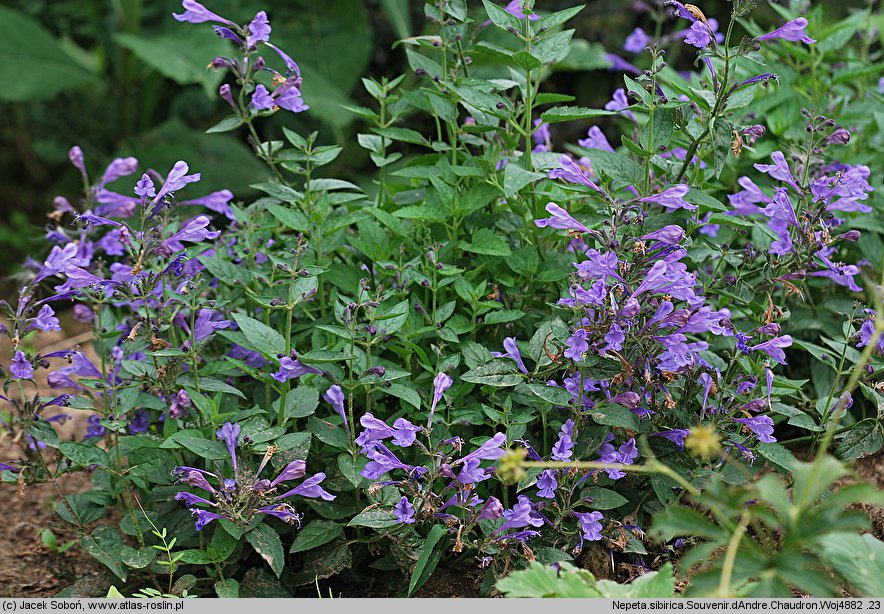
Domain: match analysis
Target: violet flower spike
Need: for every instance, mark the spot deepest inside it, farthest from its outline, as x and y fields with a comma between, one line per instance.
x=335, y=397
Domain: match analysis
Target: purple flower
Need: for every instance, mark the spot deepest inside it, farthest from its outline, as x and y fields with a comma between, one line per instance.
x=294, y=470
x=512, y=351
x=564, y=446
x=522, y=515
x=598, y=265
x=547, y=484
x=782, y=217
x=21, y=367
x=194, y=12
x=590, y=525
x=571, y=172
x=75, y=155
x=615, y=338
x=790, y=31
x=119, y=167
x=490, y=450
x=382, y=460
x=762, y=426
x=668, y=235
x=289, y=98
x=290, y=368
x=229, y=434
x=671, y=198
x=514, y=8
x=335, y=396
x=595, y=139
x=252, y=358
x=619, y=102
x=699, y=35
x=191, y=499
x=194, y=477
x=261, y=99
x=492, y=510
x=175, y=180
x=282, y=511
x=204, y=517
x=774, y=348
x=180, y=405
x=403, y=432
x=577, y=345
x=637, y=41
x=560, y=219
x=145, y=188
x=441, y=383
x=676, y=436
x=471, y=472
x=206, y=324
x=219, y=202
x=46, y=320
x=94, y=427
x=626, y=453
x=404, y=511
x=194, y=230
x=259, y=30
x=140, y=421
x=779, y=170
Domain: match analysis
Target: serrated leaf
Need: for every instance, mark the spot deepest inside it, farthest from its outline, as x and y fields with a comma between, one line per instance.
x=316, y=533
x=262, y=338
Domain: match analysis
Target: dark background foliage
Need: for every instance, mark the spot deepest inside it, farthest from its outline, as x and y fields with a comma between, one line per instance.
x=121, y=77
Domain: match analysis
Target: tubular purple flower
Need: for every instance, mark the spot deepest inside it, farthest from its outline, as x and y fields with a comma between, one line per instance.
x=676, y=436
x=262, y=100
x=561, y=220
x=291, y=66
x=46, y=320
x=175, y=180
x=204, y=517
x=774, y=348
x=699, y=35
x=490, y=450
x=190, y=499
x=595, y=139
x=404, y=511
x=21, y=367
x=194, y=12
x=229, y=434
x=668, y=235
x=512, y=351
x=547, y=484
x=290, y=100
x=637, y=41
x=194, y=477
x=514, y=8
x=763, y=79
x=590, y=525
x=790, y=31
x=441, y=383
x=563, y=449
x=522, y=515
x=310, y=489
x=259, y=30
x=282, y=511
x=194, y=230
x=779, y=170
x=119, y=167
x=577, y=345
x=572, y=173
x=294, y=470
x=219, y=202
x=491, y=510
x=761, y=426
x=206, y=324
x=671, y=198
x=290, y=368
x=75, y=155
x=335, y=397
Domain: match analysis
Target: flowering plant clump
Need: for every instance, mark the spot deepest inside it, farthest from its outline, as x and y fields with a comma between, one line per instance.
x=504, y=343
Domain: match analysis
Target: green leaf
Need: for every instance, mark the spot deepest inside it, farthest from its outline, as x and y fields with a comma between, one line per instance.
x=35, y=67
x=858, y=558
x=204, y=448
x=399, y=15
x=485, y=241
x=106, y=545
x=261, y=337
x=299, y=402
x=503, y=20
x=290, y=217
x=604, y=499
x=515, y=178
x=231, y=122
x=137, y=559
x=179, y=56
x=501, y=372
x=615, y=415
x=227, y=589
x=616, y=166
x=429, y=557
x=863, y=439
x=550, y=394
x=654, y=584
x=328, y=433
x=568, y=114
x=84, y=454
x=778, y=456
x=266, y=542
x=503, y=315
x=316, y=533
x=374, y=518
